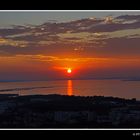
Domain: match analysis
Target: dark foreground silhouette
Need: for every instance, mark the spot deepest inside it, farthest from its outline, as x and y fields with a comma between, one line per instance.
x=62, y=111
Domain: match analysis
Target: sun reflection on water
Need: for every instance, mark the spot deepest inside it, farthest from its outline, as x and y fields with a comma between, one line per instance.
x=69, y=88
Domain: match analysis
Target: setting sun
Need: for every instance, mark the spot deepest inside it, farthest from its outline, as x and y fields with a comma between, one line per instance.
x=69, y=70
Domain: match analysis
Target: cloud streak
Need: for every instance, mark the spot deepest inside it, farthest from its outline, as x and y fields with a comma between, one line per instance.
x=96, y=36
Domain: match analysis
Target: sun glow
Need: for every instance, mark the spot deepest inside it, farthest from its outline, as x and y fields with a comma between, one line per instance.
x=69, y=70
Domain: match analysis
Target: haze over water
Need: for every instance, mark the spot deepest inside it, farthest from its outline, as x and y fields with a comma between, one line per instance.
x=115, y=88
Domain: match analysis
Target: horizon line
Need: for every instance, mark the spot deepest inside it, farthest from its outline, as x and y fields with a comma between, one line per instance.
x=103, y=78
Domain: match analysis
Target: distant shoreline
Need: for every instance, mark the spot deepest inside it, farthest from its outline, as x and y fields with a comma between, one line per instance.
x=18, y=89
x=8, y=81
x=131, y=80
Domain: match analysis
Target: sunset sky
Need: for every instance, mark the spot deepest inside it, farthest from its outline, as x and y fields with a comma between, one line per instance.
x=43, y=45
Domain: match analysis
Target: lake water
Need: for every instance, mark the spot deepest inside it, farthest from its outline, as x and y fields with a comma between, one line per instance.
x=116, y=88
